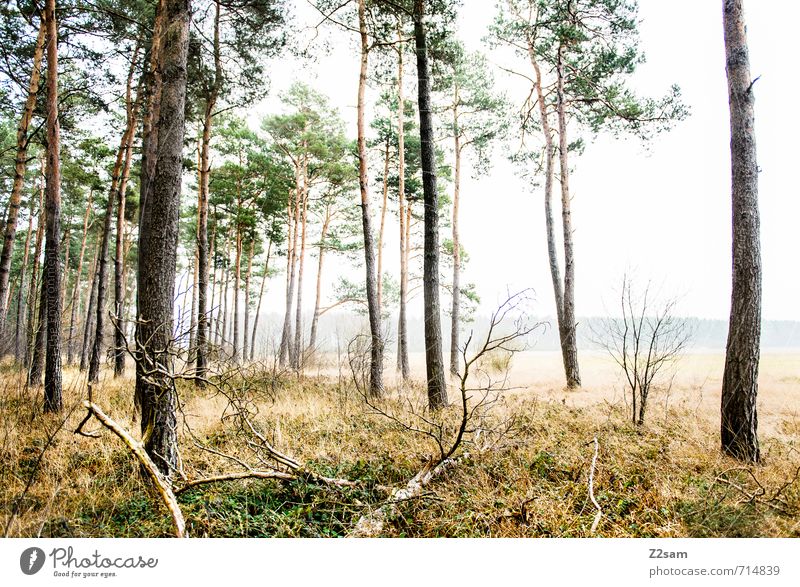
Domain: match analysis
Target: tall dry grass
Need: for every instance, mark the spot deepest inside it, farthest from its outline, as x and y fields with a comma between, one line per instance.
x=666, y=478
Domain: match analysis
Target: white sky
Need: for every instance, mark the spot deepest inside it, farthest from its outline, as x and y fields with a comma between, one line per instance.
x=664, y=211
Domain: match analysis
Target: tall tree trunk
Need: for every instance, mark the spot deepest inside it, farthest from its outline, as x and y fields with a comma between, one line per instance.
x=739, y=429
x=211, y=322
x=65, y=281
x=21, y=294
x=437, y=392
x=33, y=288
x=568, y=326
x=312, y=341
x=120, y=349
x=552, y=254
x=20, y=164
x=77, y=287
x=116, y=193
x=192, y=351
x=158, y=241
x=224, y=295
x=202, y=228
x=88, y=324
x=376, y=336
x=237, y=284
x=258, y=307
x=39, y=340
x=298, y=325
x=246, y=330
x=402, y=326
x=292, y=224
x=456, y=301
x=384, y=204
x=52, y=261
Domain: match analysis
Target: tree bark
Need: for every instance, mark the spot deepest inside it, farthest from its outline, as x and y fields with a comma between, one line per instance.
x=456, y=297
x=246, y=329
x=402, y=326
x=21, y=293
x=552, y=254
x=312, y=341
x=739, y=427
x=376, y=336
x=437, y=392
x=52, y=262
x=258, y=307
x=298, y=326
x=40, y=337
x=115, y=193
x=202, y=228
x=20, y=164
x=90, y=313
x=120, y=349
x=77, y=287
x=292, y=225
x=237, y=280
x=34, y=281
x=568, y=327
x=384, y=204
x=158, y=241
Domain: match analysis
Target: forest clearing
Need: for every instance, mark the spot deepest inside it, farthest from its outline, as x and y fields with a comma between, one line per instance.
x=397, y=268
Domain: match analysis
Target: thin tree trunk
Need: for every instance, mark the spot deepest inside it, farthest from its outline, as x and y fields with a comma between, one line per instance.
x=383, y=225
x=402, y=327
x=77, y=287
x=20, y=164
x=21, y=294
x=298, y=326
x=224, y=295
x=34, y=282
x=211, y=322
x=237, y=284
x=120, y=349
x=158, y=242
x=739, y=426
x=65, y=281
x=456, y=297
x=118, y=186
x=555, y=270
x=203, y=314
x=88, y=325
x=568, y=327
x=39, y=340
x=52, y=262
x=437, y=392
x=260, y=297
x=192, y=351
x=312, y=341
x=246, y=331
x=292, y=224
x=376, y=336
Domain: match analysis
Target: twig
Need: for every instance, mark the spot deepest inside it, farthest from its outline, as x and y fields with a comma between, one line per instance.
x=591, y=488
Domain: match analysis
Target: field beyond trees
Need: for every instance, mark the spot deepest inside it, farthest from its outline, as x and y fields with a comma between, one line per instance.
x=665, y=478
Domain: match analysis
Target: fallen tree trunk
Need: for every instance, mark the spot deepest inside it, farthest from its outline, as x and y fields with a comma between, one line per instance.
x=137, y=448
x=372, y=524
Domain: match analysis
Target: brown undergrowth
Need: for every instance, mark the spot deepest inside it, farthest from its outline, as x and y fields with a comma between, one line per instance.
x=666, y=478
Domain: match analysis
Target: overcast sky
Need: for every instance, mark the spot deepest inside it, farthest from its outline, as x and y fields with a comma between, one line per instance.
x=664, y=210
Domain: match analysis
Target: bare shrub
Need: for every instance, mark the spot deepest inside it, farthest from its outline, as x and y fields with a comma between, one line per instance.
x=645, y=341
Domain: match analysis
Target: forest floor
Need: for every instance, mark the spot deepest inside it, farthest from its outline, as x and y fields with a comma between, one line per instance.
x=665, y=478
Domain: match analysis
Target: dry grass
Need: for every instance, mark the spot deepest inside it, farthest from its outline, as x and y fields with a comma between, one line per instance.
x=666, y=478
